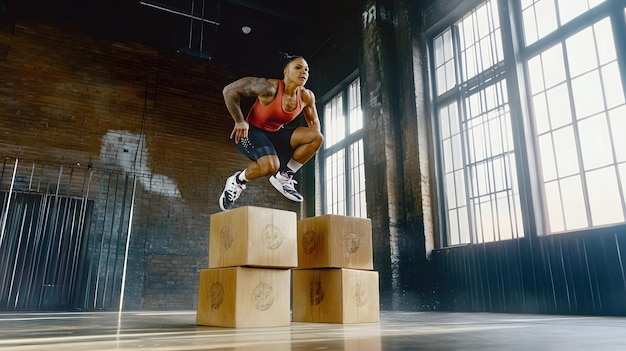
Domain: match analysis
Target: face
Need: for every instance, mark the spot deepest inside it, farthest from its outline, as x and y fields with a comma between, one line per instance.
x=297, y=71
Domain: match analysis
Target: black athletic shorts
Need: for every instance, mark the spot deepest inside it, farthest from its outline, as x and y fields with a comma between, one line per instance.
x=260, y=143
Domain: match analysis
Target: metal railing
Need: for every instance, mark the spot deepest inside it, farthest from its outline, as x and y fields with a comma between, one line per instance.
x=64, y=233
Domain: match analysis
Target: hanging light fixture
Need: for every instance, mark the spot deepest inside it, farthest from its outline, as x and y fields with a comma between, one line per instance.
x=193, y=17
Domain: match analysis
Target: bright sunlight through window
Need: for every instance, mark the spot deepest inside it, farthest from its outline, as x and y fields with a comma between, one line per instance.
x=343, y=157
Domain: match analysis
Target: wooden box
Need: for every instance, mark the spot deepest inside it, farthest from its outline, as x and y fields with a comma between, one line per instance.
x=241, y=297
x=253, y=236
x=333, y=241
x=335, y=295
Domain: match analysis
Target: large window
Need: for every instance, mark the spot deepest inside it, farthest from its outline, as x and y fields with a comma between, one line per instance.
x=576, y=113
x=342, y=155
x=580, y=118
x=475, y=133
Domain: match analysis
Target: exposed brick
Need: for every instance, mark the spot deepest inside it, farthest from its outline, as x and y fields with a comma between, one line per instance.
x=62, y=90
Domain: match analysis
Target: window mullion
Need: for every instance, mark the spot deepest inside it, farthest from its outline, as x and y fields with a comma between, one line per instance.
x=577, y=139
x=337, y=158
x=346, y=147
x=462, y=112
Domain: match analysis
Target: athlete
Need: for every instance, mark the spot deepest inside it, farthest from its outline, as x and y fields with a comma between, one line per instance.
x=263, y=137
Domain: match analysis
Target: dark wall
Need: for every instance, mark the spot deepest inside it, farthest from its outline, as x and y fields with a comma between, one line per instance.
x=579, y=273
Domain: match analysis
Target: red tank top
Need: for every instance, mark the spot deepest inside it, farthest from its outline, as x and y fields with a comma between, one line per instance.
x=272, y=117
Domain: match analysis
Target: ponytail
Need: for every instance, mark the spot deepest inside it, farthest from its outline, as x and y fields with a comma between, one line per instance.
x=284, y=58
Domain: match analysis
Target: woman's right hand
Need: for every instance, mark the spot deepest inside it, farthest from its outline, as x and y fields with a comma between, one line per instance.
x=240, y=131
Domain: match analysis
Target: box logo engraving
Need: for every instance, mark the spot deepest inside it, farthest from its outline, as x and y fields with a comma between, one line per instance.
x=359, y=294
x=263, y=297
x=217, y=295
x=309, y=241
x=273, y=236
x=227, y=236
x=316, y=293
x=351, y=243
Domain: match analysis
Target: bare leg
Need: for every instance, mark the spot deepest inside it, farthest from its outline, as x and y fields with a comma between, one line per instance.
x=305, y=142
x=264, y=166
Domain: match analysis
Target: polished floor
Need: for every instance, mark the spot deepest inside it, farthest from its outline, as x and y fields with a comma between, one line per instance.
x=176, y=330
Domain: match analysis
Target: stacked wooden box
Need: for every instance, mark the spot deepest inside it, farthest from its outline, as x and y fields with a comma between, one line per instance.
x=248, y=282
x=334, y=281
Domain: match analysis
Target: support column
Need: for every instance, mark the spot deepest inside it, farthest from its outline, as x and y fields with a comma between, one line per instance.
x=394, y=181
x=382, y=154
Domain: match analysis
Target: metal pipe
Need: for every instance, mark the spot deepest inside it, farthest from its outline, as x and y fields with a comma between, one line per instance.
x=32, y=174
x=170, y=10
x=42, y=238
x=119, y=232
x=193, y=3
x=95, y=259
x=106, y=274
x=30, y=245
x=6, y=210
x=10, y=250
x=39, y=229
x=4, y=220
x=60, y=234
x=49, y=246
x=16, y=260
x=130, y=225
x=217, y=15
x=8, y=259
x=22, y=293
x=69, y=182
x=98, y=273
x=65, y=272
x=5, y=259
x=81, y=226
x=202, y=27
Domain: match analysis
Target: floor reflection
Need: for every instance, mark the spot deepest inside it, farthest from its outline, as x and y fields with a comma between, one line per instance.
x=176, y=330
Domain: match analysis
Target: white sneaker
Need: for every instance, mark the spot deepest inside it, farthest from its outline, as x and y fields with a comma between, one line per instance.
x=284, y=183
x=231, y=192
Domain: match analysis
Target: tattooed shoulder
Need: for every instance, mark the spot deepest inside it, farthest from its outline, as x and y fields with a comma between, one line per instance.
x=252, y=86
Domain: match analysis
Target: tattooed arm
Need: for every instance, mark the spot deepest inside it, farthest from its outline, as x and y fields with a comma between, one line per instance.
x=261, y=88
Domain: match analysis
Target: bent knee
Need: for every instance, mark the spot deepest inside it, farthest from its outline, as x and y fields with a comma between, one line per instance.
x=318, y=139
x=307, y=136
x=268, y=165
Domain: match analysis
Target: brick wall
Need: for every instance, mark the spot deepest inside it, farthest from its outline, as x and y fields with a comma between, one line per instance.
x=69, y=96
x=169, y=290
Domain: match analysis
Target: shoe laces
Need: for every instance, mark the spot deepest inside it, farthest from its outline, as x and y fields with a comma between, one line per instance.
x=287, y=181
x=234, y=189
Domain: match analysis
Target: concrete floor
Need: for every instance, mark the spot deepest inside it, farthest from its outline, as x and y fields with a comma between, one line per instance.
x=176, y=330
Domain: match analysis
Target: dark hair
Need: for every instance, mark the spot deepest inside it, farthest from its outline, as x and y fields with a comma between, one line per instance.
x=284, y=58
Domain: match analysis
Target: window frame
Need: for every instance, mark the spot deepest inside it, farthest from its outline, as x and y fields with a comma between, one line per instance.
x=349, y=139
x=515, y=66
x=496, y=74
